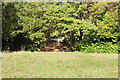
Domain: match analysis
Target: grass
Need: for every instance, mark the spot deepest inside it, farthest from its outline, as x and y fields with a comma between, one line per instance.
x=59, y=65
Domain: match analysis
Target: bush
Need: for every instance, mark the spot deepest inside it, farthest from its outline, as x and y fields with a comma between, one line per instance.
x=101, y=47
x=30, y=48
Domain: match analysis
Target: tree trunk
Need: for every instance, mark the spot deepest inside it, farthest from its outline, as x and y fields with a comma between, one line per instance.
x=81, y=35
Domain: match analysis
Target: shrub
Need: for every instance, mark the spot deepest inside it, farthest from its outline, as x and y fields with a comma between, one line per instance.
x=101, y=47
x=30, y=48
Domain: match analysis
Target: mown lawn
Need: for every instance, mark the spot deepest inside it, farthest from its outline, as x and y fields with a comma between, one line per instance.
x=59, y=65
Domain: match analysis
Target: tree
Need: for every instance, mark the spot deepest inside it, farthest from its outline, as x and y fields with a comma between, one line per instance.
x=37, y=23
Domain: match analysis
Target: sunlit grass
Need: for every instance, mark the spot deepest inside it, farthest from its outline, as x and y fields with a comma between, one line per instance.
x=59, y=65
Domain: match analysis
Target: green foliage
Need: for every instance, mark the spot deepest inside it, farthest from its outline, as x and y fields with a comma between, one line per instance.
x=79, y=22
x=30, y=48
x=102, y=47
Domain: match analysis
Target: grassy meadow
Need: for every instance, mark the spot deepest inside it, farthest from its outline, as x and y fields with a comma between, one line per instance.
x=59, y=65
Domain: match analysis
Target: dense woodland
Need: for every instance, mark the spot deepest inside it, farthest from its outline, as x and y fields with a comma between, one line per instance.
x=86, y=26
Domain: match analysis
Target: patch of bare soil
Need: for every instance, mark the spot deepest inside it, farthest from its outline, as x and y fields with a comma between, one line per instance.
x=56, y=47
